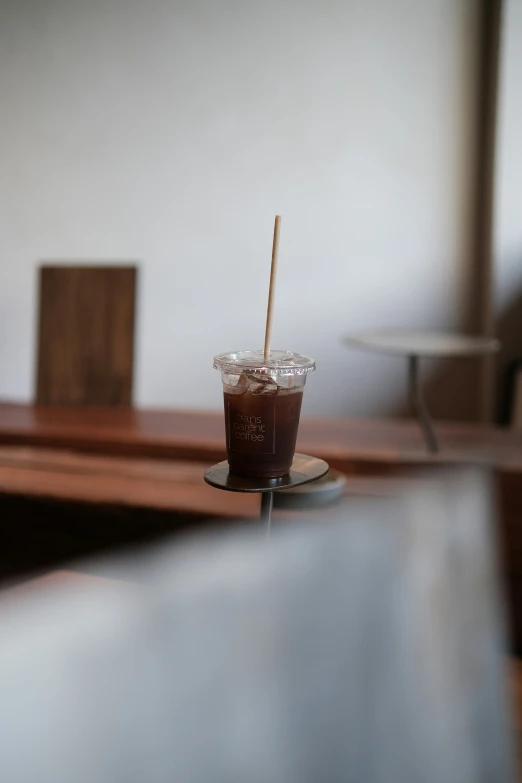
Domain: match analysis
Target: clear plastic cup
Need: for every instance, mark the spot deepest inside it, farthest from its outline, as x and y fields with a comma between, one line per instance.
x=262, y=407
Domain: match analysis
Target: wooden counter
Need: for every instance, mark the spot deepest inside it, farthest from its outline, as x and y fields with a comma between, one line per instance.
x=200, y=436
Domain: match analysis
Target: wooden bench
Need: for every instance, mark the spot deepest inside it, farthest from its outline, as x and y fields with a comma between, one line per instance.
x=100, y=442
x=360, y=444
x=136, y=483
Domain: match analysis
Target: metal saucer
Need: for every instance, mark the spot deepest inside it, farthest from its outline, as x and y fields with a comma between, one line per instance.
x=303, y=470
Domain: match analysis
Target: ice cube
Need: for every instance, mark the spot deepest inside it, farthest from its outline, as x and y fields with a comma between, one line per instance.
x=235, y=384
x=286, y=381
x=263, y=385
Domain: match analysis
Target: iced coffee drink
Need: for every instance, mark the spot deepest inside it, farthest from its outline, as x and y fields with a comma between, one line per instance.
x=262, y=406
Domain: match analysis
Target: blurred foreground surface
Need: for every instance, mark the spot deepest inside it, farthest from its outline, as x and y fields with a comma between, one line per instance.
x=367, y=647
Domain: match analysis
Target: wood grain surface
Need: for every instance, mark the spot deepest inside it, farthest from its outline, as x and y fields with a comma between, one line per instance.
x=200, y=435
x=86, y=335
x=137, y=483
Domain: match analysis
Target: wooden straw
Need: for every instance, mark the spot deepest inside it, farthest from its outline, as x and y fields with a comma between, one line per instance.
x=271, y=292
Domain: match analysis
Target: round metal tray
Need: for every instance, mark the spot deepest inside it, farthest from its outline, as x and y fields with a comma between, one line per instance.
x=304, y=469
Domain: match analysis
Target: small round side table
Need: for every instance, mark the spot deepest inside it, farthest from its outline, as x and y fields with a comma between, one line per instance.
x=304, y=469
x=416, y=345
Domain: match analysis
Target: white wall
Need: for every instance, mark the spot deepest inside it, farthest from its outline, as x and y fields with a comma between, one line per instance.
x=172, y=132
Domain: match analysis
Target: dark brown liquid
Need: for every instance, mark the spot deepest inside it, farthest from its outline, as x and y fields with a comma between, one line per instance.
x=261, y=432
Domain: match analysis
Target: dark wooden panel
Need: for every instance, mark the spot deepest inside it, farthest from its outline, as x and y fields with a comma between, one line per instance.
x=86, y=335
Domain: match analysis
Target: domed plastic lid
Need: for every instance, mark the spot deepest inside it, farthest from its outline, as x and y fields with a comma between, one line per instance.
x=252, y=362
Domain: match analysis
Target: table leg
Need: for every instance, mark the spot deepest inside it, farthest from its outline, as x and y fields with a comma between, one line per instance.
x=419, y=406
x=267, y=503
